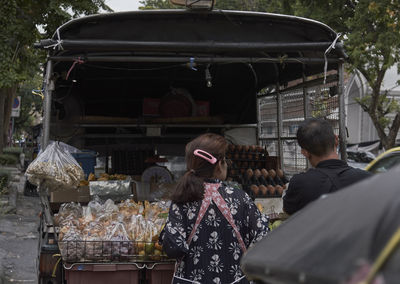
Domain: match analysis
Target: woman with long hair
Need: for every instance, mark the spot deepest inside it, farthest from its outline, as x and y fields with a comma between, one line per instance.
x=211, y=223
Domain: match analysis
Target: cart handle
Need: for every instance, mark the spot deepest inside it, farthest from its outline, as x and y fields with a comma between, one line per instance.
x=154, y=264
x=389, y=248
x=56, y=264
x=84, y=263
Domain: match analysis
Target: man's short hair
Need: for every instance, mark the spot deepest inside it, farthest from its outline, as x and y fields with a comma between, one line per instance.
x=316, y=136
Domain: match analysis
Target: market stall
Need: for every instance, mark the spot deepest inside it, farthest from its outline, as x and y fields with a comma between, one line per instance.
x=135, y=96
x=95, y=227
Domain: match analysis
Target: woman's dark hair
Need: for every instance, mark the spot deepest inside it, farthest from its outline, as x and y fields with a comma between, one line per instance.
x=190, y=186
x=316, y=136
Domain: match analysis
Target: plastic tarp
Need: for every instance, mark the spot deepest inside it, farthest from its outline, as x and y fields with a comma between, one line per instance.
x=331, y=239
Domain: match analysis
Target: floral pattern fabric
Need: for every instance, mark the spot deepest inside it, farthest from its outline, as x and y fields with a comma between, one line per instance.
x=213, y=255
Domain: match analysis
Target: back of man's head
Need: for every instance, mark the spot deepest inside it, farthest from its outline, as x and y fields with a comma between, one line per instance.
x=316, y=136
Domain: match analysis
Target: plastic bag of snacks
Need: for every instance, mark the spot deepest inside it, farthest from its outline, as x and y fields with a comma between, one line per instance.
x=93, y=234
x=71, y=246
x=120, y=244
x=55, y=168
x=68, y=212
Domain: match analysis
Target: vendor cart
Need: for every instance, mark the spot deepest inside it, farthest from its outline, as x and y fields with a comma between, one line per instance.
x=135, y=87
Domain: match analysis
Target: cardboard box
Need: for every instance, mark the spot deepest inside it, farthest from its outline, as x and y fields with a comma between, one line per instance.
x=202, y=108
x=151, y=191
x=80, y=194
x=66, y=195
x=151, y=107
x=83, y=194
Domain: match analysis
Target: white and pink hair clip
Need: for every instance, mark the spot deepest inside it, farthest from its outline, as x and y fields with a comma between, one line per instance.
x=205, y=155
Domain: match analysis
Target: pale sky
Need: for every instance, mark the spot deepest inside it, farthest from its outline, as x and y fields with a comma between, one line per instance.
x=391, y=78
x=123, y=5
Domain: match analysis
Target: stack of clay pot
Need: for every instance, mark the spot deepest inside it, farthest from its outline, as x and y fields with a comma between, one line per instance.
x=249, y=163
x=244, y=157
x=264, y=183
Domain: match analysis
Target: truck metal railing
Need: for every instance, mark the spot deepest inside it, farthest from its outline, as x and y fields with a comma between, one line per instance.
x=281, y=112
x=110, y=251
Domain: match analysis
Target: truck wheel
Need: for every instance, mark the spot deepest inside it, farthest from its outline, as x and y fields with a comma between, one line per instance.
x=30, y=189
x=46, y=280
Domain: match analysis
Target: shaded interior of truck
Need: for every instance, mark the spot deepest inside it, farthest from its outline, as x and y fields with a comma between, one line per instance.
x=117, y=75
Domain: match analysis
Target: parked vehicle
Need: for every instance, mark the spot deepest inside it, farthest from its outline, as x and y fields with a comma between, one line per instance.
x=351, y=236
x=135, y=87
x=385, y=161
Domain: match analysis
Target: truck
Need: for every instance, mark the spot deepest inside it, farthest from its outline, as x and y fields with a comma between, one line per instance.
x=135, y=87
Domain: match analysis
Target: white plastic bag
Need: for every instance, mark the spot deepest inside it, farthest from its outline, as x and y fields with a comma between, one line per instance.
x=55, y=169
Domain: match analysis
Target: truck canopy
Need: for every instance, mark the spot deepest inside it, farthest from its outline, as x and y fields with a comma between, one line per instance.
x=106, y=65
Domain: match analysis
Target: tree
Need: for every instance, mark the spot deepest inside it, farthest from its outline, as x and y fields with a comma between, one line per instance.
x=156, y=4
x=19, y=22
x=371, y=35
x=31, y=106
x=374, y=46
x=240, y=5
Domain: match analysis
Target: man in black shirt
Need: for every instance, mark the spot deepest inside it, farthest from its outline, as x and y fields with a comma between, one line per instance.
x=319, y=145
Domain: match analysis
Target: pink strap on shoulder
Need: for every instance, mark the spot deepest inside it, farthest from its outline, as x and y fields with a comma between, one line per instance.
x=211, y=194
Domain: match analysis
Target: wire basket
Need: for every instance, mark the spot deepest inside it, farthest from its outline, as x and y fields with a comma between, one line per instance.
x=111, y=251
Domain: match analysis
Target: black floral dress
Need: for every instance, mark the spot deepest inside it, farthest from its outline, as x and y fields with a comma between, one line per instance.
x=214, y=252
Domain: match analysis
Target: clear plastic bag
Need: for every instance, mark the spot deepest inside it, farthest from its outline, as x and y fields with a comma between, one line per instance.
x=93, y=235
x=127, y=209
x=110, y=207
x=96, y=205
x=71, y=244
x=120, y=244
x=65, y=147
x=109, y=231
x=55, y=168
x=68, y=212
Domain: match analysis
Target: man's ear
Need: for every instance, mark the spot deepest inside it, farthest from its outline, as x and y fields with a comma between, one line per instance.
x=305, y=153
x=336, y=141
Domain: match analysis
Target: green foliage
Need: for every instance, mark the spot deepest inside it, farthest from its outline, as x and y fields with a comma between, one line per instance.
x=156, y=4
x=276, y=6
x=254, y=5
x=364, y=102
x=8, y=159
x=19, y=21
x=386, y=106
x=374, y=41
x=320, y=106
x=4, y=178
x=371, y=35
x=31, y=105
x=275, y=224
x=14, y=151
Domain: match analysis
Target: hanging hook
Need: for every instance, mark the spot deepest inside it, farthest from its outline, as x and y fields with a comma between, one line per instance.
x=76, y=61
x=208, y=76
x=332, y=46
x=192, y=64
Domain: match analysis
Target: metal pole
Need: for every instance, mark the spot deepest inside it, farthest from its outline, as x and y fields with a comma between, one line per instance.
x=258, y=130
x=279, y=124
x=306, y=99
x=342, y=115
x=185, y=60
x=12, y=131
x=306, y=105
x=206, y=46
x=48, y=88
